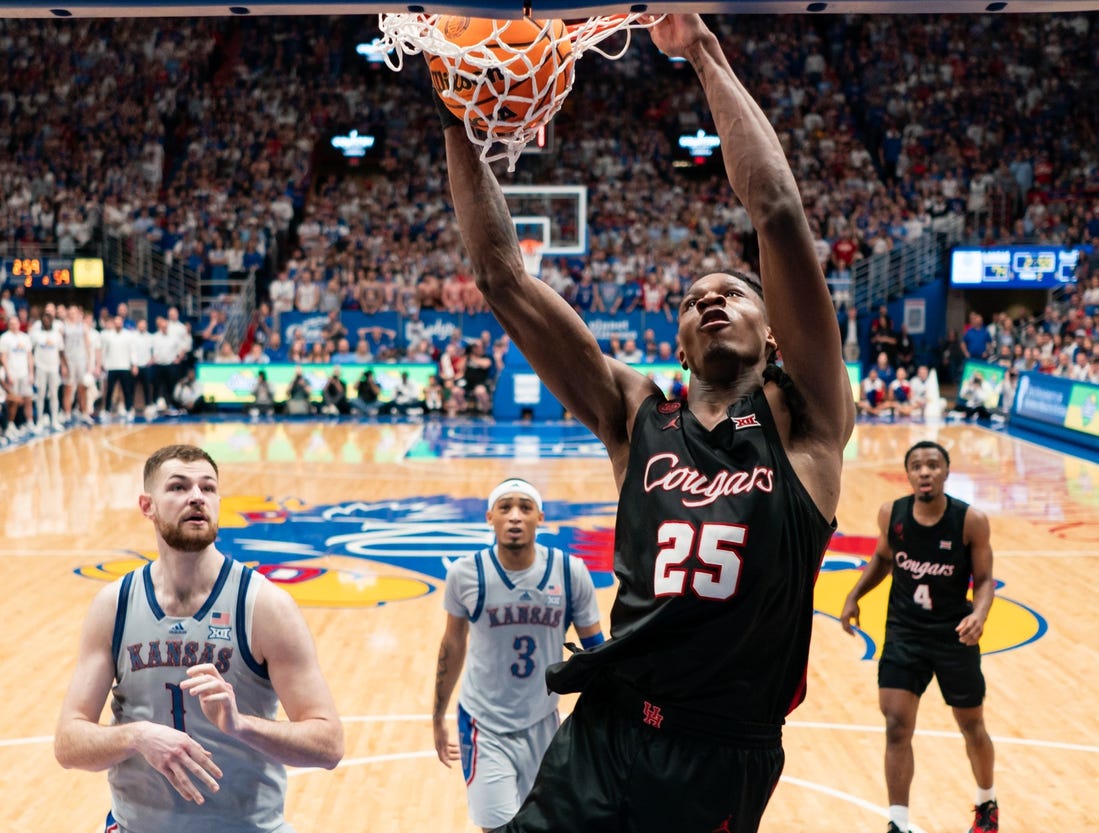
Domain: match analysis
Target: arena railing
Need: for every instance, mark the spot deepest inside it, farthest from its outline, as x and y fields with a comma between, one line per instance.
x=907, y=267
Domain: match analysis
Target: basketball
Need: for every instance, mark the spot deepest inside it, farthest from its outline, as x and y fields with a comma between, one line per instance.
x=509, y=71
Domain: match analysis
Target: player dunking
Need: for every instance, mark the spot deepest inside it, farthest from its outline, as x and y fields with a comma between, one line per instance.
x=513, y=604
x=725, y=507
x=932, y=544
x=198, y=652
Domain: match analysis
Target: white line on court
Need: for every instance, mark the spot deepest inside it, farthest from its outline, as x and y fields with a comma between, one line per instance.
x=850, y=799
x=798, y=724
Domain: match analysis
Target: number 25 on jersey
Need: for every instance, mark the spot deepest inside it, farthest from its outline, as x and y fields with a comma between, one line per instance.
x=717, y=571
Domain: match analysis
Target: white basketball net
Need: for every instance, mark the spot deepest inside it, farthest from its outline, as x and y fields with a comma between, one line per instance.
x=498, y=138
x=532, y=256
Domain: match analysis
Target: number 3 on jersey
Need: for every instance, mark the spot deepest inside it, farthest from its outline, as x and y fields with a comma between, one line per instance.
x=714, y=545
x=525, y=646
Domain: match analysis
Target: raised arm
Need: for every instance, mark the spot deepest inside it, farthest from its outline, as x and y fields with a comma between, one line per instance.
x=601, y=392
x=799, y=305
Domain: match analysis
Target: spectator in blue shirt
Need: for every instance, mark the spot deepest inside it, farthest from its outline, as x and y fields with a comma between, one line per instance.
x=274, y=349
x=629, y=296
x=344, y=353
x=976, y=339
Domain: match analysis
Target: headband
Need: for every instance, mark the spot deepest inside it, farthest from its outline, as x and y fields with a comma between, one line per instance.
x=515, y=485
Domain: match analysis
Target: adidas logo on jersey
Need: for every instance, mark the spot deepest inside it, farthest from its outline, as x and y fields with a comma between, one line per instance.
x=525, y=596
x=177, y=628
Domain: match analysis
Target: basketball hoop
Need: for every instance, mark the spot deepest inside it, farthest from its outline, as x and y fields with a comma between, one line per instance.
x=532, y=256
x=413, y=34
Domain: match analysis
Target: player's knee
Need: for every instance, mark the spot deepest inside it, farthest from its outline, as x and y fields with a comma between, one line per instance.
x=899, y=727
x=971, y=725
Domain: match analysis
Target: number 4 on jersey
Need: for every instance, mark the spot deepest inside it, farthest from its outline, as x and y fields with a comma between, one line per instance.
x=922, y=596
x=714, y=545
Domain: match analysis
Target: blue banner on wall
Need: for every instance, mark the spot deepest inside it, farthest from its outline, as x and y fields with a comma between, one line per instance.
x=312, y=324
x=631, y=325
x=441, y=326
x=1060, y=408
x=605, y=327
x=438, y=326
x=1042, y=397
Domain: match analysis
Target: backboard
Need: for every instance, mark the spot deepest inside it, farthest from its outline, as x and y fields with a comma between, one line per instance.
x=566, y=9
x=558, y=214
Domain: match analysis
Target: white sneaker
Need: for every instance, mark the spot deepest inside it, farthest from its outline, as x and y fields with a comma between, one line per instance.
x=12, y=433
x=58, y=424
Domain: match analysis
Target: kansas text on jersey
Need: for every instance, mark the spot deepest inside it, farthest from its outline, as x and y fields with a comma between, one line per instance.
x=518, y=621
x=152, y=653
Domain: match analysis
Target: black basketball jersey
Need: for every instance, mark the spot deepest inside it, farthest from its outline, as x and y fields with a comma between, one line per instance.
x=717, y=547
x=932, y=567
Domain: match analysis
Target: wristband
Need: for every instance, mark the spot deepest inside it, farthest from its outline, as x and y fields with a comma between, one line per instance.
x=590, y=642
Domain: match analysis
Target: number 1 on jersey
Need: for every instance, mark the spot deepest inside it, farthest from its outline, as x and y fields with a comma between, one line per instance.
x=178, y=709
x=714, y=545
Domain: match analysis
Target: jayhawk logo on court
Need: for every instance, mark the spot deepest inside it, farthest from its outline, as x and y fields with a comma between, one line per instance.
x=370, y=553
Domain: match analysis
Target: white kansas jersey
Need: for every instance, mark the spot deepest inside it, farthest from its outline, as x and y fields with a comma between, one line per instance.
x=518, y=621
x=152, y=654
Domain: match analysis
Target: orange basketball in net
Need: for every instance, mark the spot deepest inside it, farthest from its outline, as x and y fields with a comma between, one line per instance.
x=508, y=73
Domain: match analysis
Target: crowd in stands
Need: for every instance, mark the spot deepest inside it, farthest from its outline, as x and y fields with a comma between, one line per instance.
x=203, y=134
x=1062, y=341
x=204, y=137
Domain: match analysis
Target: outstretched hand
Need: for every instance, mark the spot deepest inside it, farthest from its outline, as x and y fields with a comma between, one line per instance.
x=676, y=32
x=181, y=760
x=215, y=695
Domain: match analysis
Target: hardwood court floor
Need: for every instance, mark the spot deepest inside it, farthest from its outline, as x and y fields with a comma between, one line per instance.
x=372, y=499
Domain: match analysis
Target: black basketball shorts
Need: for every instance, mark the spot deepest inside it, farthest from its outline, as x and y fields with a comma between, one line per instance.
x=909, y=664
x=616, y=768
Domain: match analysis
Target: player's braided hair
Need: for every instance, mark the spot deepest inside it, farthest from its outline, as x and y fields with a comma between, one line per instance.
x=773, y=372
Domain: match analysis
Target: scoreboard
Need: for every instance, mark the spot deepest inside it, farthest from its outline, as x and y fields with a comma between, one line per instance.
x=1013, y=267
x=53, y=272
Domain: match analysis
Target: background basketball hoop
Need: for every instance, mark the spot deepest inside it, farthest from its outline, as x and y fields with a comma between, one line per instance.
x=532, y=256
